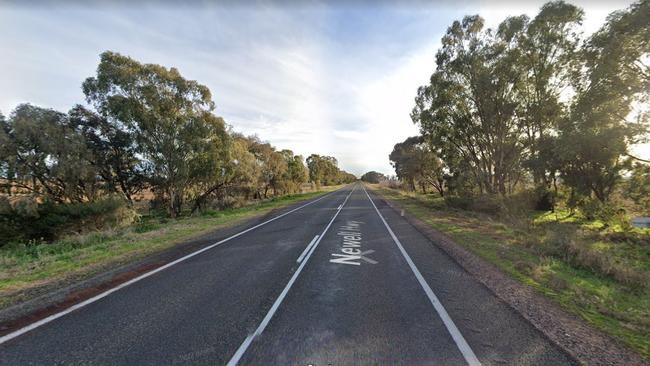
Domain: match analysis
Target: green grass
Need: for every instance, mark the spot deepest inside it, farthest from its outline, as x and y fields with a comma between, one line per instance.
x=606, y=282
x=28, y=266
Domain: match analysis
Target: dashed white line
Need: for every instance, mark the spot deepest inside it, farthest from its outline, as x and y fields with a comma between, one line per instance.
x=304, y=252
x=247, y=342
x=52, y=317
x=462, y=345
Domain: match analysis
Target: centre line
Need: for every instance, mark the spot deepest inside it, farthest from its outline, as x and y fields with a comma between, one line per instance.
x=462, y=345
x=304, y=252
x=247, y=342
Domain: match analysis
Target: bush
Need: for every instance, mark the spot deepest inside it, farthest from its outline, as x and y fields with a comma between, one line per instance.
x=29, y=220
x=544, y=199
x=484, y=204
x=462, y=203
x=609, y=213
x=488, y=205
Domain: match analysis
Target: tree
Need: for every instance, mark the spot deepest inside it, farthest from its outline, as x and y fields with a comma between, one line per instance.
x=41, y=153
x=470, y=104
x=548, y=65
x=638, y=186
x=323, y=169
x=296, y=173
x=113, y=152
x=170, y=116
x=273, y=165
x=373, y=177
x=596, y=136
x=211, y=169
x=415, y=162
x=6, y=169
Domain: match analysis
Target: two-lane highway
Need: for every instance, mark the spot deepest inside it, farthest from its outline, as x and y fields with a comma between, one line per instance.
x=341, y=280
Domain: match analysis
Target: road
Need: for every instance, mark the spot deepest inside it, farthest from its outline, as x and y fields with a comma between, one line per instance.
x=343, y=280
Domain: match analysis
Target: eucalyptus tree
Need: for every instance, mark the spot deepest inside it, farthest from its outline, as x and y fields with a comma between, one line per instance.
x=273, y=166
x=113, y=152
x=170, y=116
x=603, y=123
x=415, y=161
x=373, y=177
x=42, y=154
x=549, y=64
x=324, y=170
x=470, y=104
x=6, y=168
x=296, y=173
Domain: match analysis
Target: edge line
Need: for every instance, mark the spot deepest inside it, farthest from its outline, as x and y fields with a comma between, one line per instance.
x=461, y=343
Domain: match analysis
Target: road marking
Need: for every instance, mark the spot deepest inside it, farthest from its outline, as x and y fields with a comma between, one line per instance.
x=52, y=317
x=304, y=252
x=251, y=337
x=462, y=345
x=349, y=258
x=351, y=252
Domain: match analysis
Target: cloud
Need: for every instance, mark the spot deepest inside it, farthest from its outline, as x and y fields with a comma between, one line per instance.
x=328, y=79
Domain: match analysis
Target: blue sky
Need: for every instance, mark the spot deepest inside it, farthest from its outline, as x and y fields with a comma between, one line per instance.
x=335, y=79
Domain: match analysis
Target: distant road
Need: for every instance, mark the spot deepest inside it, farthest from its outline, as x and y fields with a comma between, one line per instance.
x=332, y=282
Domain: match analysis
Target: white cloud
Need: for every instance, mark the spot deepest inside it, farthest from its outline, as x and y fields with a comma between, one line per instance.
x=336, y=80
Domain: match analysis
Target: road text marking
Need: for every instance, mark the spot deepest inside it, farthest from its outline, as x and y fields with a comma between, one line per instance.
x=244, y=346
x=350, y=250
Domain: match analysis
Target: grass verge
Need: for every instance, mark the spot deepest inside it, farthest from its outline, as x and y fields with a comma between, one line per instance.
x=601, y=277
x=29, y=266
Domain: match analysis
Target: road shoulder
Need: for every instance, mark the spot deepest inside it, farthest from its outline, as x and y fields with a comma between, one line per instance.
x=581, y=341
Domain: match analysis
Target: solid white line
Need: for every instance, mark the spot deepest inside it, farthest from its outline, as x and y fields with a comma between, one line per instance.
x=307, y=249
x=52, y=317
x=244, y=346
x=462, y=345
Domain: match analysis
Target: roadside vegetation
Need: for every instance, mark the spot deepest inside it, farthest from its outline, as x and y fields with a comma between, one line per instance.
x=145, y=163
x=147, y=140
x=601, y=275
x=525, y=157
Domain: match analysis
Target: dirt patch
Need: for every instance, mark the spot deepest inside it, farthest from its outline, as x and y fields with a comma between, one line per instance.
x=586, y=344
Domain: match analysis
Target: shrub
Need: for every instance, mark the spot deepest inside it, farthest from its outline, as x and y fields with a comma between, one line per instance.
x=462, y=203
x=609, y=213
x=29, y=220
x=485, y=204
x=490, y=205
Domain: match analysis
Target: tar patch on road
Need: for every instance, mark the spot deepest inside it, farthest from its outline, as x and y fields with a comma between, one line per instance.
x=351, y=251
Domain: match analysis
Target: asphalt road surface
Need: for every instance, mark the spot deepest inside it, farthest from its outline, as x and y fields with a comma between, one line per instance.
x=343, y=280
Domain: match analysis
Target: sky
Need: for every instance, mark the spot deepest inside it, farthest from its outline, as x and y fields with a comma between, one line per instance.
x=335, y=78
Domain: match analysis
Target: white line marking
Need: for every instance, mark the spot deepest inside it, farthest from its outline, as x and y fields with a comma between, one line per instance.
x=247, y=342
x=304, y=252
x=52, y=317
x=464, y=348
